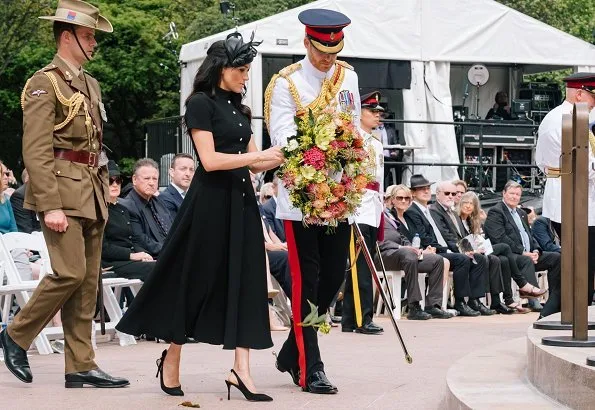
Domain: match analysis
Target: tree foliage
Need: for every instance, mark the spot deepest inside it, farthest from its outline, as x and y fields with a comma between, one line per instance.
x=137, y=66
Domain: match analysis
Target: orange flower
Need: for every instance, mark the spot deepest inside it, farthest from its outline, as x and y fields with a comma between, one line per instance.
x=360, y=182
x=358, y=142
x=338, y=191
x=318, y=204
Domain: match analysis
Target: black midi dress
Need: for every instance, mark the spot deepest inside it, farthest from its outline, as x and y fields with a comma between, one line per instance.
x=209, y=281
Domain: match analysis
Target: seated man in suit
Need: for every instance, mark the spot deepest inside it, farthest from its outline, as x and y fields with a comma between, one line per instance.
x=398, y=254
x=121, y=250
x=268, y=210
x=467, y=277
x=181, y=172
x=26, y=219
x=452, y=230
x=150, y=219
x=506, y=223
x=542, y=230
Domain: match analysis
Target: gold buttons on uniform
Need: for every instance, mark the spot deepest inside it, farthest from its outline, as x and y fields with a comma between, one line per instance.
x=241, y=139
x=243, y=179
x=240, y=124
x=229, y=102
x=234, y=112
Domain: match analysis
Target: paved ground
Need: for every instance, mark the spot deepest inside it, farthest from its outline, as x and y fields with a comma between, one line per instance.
x=370, y=371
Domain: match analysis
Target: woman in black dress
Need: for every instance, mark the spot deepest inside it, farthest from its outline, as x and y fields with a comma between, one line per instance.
x=209, y=282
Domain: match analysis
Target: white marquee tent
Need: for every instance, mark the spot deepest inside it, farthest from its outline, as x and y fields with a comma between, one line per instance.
x=432, y=35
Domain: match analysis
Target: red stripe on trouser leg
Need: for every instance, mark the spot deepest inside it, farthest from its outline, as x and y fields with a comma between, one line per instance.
x=296, y=298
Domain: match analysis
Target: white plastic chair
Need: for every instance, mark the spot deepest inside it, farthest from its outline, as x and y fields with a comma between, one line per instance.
x=110, y=300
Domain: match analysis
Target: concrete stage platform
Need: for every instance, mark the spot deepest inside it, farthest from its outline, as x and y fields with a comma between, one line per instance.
x=370, y=371
x=523, y=373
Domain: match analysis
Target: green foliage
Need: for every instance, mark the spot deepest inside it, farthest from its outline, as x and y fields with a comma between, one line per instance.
x=126, y=165
x=576, y=17
x=138, y=69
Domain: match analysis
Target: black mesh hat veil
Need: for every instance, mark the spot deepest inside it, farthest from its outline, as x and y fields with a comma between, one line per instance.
x=238, y=52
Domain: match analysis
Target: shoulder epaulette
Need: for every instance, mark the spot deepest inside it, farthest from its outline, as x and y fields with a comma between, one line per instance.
x=48, y=67
x=290, y=69
x=268, y=94
x=344, y=64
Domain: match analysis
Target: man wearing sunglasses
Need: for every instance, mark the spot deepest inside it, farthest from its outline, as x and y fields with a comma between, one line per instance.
x=467, y=276
x=452, y=230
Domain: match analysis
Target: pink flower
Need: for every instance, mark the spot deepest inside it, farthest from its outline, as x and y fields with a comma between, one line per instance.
x=338, y=209
x=336, y=144
x=288, y=179
x=315, y=158
x=318, y=203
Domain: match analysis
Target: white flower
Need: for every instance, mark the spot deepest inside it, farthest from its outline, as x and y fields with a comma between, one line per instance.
x=292, y=145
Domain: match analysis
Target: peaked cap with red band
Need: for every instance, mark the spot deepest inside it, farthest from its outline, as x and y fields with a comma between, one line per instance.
x=371, y=101
x=581, y=81
x=324, y=28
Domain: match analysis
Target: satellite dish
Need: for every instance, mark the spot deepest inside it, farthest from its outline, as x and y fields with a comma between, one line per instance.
x=478, y=75
x=173, y=32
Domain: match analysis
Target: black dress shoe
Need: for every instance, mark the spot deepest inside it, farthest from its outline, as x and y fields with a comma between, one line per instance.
x=415, y=312
x=437, y=313
x=369, y=328
x=191, y=340
x=347, y=328
x=480, y=307
x=95, y=378
x=502, y=309
x=318, y=383
x=294, y=373
x=15, y=358
x=465, y=310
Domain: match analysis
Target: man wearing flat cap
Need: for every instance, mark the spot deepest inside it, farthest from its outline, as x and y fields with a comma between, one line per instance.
x=62, y=142
x=312, y=83
x=358, y=303
x=580, y=87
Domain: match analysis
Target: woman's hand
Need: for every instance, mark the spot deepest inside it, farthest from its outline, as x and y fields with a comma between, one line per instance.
x=272, y=154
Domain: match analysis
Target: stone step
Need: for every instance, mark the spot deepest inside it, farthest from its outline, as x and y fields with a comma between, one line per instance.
x=495, y=377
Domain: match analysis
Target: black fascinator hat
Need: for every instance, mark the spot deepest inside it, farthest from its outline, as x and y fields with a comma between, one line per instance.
x=238, y=52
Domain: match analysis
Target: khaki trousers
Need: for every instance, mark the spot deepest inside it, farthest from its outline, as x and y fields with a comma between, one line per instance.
x=75, y=257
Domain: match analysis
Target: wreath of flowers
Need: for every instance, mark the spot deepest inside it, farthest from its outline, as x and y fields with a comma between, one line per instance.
x=327, y=167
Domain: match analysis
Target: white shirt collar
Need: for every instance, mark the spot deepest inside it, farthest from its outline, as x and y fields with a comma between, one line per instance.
x=180, y=190
x=423, y=208
x=310, y=70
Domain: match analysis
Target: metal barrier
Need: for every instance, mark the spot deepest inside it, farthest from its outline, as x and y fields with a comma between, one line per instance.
x=166, y=136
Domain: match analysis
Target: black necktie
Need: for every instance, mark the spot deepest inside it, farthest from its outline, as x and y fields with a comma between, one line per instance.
x=160, y=222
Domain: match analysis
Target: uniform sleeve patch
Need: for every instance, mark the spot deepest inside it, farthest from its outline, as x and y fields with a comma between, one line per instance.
x=38, y=93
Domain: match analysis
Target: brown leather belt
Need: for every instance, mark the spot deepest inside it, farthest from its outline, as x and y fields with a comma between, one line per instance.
x=82, y=157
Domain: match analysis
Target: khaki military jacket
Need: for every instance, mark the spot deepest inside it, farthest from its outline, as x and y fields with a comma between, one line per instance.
x=77, y=189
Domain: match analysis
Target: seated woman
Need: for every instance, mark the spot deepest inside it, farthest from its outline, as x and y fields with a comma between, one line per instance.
x=398, y=254
x=27, y=270
x=121, y=250
x=469, y=210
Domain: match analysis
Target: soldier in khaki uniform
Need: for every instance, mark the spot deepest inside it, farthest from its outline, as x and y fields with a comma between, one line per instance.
x=62, y=137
